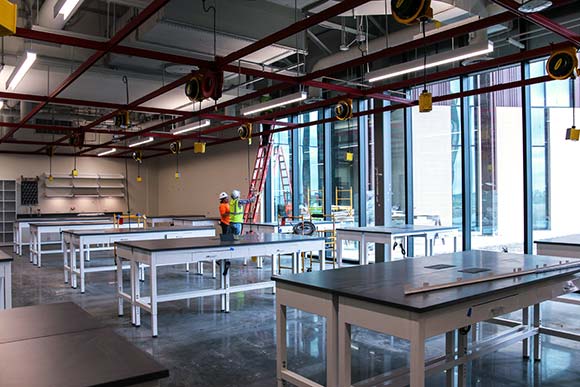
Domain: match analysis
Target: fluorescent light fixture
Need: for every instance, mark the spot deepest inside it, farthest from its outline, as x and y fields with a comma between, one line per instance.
x=64, y=7
x=1, y=104
x=515, y=43
x=107, y=152
x=432, y=61
x=20, y=70
x=190, y=127
x=534, y=6
x=145, y=141
x=274, y=103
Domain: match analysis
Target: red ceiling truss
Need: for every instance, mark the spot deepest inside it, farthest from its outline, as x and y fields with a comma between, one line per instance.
x=230, y=63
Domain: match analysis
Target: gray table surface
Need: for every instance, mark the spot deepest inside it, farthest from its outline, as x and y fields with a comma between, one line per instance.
x=59, y=224
x=573, y=240
x=384, y=283
x=5, y=257
x=402, y=229
x=139, y=230
x=212, y=242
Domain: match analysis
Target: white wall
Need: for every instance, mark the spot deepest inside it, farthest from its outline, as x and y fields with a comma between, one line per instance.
x=203, y=177
x=12, y=167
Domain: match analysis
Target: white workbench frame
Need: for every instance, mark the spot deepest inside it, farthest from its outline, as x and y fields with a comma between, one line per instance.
x=177, y=257
x=5, y=283
x=195, y=222
x=388, y=238
x=283, y=229
x=343, y=312
x=37, y=231
x=20, y=226
x=84, y=244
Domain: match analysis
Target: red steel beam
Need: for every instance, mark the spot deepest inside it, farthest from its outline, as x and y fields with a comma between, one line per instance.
x=151, y=9
x=541, y=21
x=293, y=29
x=95, y=104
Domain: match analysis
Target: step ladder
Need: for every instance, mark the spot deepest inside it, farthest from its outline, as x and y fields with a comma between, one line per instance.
x=258, y=179
x=285, y=179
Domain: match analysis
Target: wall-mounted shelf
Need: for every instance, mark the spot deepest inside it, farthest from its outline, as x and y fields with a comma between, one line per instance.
x=85, y=186
x=7, y=211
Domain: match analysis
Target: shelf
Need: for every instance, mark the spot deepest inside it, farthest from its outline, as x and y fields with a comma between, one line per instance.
x=119, y=186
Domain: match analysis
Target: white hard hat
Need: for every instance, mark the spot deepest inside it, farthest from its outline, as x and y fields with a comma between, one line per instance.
x=235, y=194
x=223, y=195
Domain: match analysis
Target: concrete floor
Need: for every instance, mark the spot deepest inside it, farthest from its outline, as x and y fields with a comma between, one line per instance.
x=203, y=347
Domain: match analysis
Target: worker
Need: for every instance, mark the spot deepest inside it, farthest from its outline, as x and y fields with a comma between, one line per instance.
x=237, y=211
x=224, y=212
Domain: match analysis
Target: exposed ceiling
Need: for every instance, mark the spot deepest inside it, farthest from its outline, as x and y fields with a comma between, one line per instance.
x=76, y=85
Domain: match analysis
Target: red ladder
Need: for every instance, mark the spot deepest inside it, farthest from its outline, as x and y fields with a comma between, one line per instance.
x=258, y=179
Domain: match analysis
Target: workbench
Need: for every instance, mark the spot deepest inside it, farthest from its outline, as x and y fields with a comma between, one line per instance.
x=192, y=250
x=62, y=345
x=37, y=230
x=415, y=299
x=5, y=280
x=85, y=241
x=287, y=228
x=196, y=221
x=388, y=234
x=167, y=219
x=21, y=227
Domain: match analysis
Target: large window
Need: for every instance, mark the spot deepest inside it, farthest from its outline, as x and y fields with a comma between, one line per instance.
x=553, y=157
x=345, y=170
x=495, y=124
x=310, y=158
x=437, y=198
x=397, y=122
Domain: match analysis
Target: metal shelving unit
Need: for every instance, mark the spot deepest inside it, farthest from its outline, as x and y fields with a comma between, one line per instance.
x=7, y=211
x=88, y=186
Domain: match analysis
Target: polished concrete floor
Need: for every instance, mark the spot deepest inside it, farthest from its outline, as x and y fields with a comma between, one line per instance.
x=203, y=347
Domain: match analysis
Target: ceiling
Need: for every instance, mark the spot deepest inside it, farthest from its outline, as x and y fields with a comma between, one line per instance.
x=76, y=85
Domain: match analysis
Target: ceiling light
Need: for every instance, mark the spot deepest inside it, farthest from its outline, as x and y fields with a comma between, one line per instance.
x=534, y=6
x=107, y=152
x=1, y=104
x=516, y=43
x=141, y=142
x=274, y=103
x=432, y=61
x=20, y=70
x=65, y=7
x=190, y=127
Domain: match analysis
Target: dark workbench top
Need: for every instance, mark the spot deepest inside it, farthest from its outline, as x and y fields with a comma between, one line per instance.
x=213, y=242
x=63, y=224
x=384, y=283
x=139, y=230
x=60, y=345
x=5, y=257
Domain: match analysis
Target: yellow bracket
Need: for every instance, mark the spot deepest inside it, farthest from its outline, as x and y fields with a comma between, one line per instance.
x=8, y=13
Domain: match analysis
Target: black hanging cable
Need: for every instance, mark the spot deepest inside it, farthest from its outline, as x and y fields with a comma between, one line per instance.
x=207, y=9
x=424, y=56
x=126, y=82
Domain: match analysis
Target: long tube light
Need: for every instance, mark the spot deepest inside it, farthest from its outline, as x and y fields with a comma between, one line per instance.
x=65, y=7
x=432, y=61
x=274, y=103
x=20, y=70
x=1, y=104
x=145, y=141
x=107, y=152
x=190, y=127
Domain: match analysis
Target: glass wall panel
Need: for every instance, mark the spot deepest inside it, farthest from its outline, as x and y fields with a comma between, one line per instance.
x=281, y=174
x=437, y=197
x=495, y=122
x=554, y=157
x=397, y=121
x=310, y=154
x=345, y=170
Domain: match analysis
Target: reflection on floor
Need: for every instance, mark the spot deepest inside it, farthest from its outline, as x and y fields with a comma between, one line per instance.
x=203, y=347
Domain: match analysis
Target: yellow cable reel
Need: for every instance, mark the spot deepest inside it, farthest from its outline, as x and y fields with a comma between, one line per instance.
x=175, y=147
x=563, y=63
x=245, y=132
x=411, y=11
x=343, y=109
x=193, y=89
